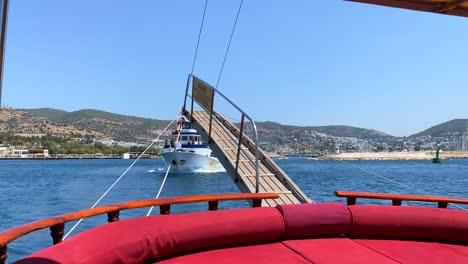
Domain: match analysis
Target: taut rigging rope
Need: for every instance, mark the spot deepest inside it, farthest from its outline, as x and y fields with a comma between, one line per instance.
x=160, y=188
x=229, y=44
x=199, y=35
x=118, y=179
x=165, y=176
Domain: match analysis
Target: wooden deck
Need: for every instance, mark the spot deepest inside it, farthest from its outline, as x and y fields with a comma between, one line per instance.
x=224, y=143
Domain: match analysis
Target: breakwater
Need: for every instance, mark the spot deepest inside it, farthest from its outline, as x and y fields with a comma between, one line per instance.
x=404, y=155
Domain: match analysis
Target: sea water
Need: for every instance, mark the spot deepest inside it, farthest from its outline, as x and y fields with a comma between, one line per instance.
x=36, y=189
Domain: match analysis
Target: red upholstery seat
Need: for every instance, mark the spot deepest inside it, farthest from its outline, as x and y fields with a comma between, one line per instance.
x=336, y=250
x=142, y=239
x=267, y=254
x=324, y=233
x=315, y=220
x=409, y=223
x=418, y=252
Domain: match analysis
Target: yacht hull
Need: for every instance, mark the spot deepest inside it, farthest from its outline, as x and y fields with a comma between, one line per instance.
x=187, y=162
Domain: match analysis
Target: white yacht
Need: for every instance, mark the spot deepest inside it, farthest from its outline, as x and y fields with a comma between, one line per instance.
x=189, y=154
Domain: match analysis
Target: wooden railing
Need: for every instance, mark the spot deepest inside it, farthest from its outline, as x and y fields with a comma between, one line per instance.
x=396, y=199
x=57, y=223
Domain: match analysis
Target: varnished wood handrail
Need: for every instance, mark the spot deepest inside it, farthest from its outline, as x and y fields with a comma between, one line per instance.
x=17, y=232
x=398, y=198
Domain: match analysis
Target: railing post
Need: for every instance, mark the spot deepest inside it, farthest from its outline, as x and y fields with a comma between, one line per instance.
x=211, y=117
x=186, y=92
x=113, y=216
x=396, y=202
x=165, y=209
x=213, y=205
x=191, y=111
x=442, y=204
x=351, y=200
x=257, y=203
x=239, y=144
x=56, y=231
x=257, y=173
x=3, y=254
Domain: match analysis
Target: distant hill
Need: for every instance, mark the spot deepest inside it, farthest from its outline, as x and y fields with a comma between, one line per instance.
x=452, y=126
x=29, y=124
x=337, y=131
x=115, y=126
x=106, y=125
x=349, y=131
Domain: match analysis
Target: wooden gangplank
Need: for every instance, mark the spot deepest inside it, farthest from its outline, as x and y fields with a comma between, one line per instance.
x=224, y=142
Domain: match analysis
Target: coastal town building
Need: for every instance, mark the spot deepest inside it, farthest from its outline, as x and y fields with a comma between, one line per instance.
x=44, y=153
x=12, y=152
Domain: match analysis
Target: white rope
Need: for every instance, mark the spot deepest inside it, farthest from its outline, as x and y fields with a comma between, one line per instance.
x=118, y=179
x=359, y=168
x=165, y=176
x=160, y=188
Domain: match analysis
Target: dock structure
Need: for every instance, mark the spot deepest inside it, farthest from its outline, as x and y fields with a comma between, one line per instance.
x=249, y=166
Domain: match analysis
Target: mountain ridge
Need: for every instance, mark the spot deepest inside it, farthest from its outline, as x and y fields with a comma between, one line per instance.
x=114, y=126
x=453, y=126
x=332, y=130
x=132, y=128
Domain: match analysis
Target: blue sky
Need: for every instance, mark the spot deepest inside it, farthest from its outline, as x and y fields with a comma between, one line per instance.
x=294, y=62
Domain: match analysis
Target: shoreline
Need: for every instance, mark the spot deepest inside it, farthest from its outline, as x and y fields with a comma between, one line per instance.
x=412, y=155
x=71, y=158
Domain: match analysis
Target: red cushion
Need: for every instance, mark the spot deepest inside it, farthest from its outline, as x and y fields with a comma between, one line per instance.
x=268, y=253
x=145, y=238
x=409, y=222
x=418, y=252
x=315, y=220
x=336, y=250
x=459, y=248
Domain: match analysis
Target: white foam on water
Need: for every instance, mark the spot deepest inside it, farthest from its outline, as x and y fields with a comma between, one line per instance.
x=209, y=171
x=156, y=169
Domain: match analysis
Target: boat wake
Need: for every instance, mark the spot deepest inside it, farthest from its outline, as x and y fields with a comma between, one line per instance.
x=155, y=170
x=209, y=170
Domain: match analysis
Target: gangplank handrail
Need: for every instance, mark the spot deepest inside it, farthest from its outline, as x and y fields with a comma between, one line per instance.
x=57, y=223
x=244, y=115
x=396, y=199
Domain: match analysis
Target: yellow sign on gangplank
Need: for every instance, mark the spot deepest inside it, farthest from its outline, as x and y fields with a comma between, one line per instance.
x=203, y=94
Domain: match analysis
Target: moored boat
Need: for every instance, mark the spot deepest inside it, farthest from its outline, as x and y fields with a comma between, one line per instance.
x=187, y=153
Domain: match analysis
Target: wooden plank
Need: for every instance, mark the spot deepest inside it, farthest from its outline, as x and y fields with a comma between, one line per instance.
x=270, y=203
x=262, y=188
x=242, y=161
x=273, y=186
x=286, y=198
x=277, y=187
x=265, y=182
x=247, y=169
x=244, y=148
